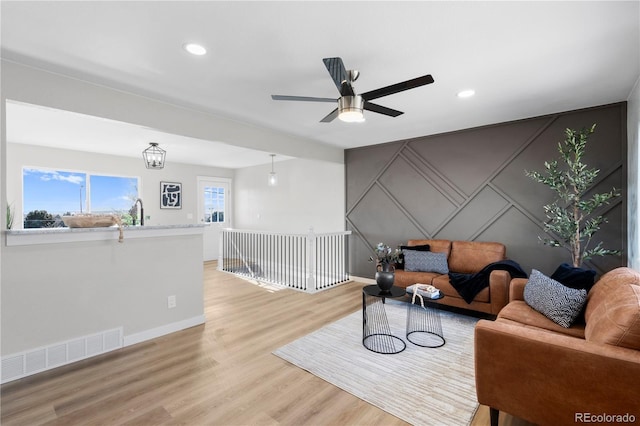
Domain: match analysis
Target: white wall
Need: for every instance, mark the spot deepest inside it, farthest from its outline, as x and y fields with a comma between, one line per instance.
x=633, y=137
x=309, y=194
x=19, y=155
x=86, y=272
x=84, y=288
x=36, y=86
x=57, y=292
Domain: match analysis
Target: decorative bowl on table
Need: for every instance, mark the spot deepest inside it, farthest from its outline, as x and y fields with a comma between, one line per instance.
x=89, y=220
x=94, y=221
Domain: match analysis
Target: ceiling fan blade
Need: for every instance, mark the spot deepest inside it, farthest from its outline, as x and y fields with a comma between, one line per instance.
x=338, y=73
x=398, y=87
x=330, y=117
x=301, y=98
x=381, y=109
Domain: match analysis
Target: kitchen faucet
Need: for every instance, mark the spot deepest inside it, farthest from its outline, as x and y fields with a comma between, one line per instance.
x=139, y=200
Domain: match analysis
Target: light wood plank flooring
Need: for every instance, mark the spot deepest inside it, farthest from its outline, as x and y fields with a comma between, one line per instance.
x=221, y=373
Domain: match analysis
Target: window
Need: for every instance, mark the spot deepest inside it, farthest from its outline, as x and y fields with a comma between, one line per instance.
x=50, y=194
x=214, y=204
x=111, y=194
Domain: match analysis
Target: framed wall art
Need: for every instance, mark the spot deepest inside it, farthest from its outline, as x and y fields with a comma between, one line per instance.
x=170, y=195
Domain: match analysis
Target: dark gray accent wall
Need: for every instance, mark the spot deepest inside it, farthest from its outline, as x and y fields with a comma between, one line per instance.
x=471, y=185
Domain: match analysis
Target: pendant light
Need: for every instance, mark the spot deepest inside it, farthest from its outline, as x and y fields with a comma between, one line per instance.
x=154, y=156
x=273, y=177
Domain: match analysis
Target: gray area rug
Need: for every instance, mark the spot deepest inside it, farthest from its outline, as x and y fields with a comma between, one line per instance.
x=421, y=386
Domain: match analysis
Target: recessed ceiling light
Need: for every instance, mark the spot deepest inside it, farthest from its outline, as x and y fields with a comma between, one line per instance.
x=466, y=93
x=195, y=49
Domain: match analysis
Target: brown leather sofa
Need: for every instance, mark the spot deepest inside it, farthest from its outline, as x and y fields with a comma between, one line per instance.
x=532, y=368
x=463, y=257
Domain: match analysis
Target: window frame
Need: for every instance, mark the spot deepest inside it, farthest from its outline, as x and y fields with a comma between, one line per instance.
x=86, y=204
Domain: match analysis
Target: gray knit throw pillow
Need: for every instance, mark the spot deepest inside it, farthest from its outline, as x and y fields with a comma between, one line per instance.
x=557, y=302
x=425, y=261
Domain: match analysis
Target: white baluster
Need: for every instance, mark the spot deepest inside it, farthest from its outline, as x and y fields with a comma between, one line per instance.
x=311, y=266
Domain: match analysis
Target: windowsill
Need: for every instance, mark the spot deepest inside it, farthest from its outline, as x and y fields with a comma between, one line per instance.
x=23, y=237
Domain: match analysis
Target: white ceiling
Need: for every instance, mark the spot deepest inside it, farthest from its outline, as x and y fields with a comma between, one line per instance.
x=70, y=130
x=522, y=58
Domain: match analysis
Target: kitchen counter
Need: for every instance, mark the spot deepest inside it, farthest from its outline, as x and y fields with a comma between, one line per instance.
x=19, y=237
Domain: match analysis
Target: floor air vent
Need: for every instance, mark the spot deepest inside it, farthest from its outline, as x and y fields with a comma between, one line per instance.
x=34, y=361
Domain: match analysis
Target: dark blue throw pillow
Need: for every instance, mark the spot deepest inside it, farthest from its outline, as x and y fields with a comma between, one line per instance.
x=574, y=277
x=424, y=247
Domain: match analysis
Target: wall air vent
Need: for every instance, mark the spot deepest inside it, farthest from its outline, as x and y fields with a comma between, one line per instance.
x=17, y=366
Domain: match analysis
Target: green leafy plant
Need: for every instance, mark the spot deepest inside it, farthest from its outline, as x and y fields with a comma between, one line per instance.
x=385, y=255
x=9, y=216
x=570, y=215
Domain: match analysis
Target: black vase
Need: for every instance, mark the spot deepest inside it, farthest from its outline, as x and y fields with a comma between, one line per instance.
x=384, y=278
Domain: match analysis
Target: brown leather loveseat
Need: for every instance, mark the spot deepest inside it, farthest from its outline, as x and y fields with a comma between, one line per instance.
x=466, y=257
x=531, y=367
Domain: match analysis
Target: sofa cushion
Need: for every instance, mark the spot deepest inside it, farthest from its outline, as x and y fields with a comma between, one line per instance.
x=574, y=277
x=437, y=246
x=405, y=279
x=443, y=283
x=425, y=261
x=469, y=257
x=559, y=303
x=613, y=309
x=423, y=247
x=518, y=311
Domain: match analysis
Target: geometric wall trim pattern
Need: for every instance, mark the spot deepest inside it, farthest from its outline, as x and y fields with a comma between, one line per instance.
x=471, y=185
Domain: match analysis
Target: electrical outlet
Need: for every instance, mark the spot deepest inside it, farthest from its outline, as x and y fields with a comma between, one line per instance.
x=171, y=302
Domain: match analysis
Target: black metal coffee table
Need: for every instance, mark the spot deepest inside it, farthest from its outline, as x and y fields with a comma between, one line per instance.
x=376, y=334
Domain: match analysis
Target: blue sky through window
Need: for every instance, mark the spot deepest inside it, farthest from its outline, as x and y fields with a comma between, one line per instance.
x=111, y=194
x=59, y=192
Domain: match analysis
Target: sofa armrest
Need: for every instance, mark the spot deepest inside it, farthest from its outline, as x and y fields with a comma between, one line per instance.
x=516, y=289
x=549, y=378
x=499, y=290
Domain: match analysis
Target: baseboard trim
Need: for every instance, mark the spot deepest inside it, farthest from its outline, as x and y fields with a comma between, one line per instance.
x=37, y=360
x=362, y=279
x=153, y=333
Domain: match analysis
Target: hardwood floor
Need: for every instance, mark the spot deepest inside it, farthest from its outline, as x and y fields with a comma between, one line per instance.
x=220, y=373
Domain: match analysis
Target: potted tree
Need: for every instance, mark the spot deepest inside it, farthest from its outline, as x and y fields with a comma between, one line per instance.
x=571, y=222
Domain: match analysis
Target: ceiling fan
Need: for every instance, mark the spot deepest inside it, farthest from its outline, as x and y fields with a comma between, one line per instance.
x=350, y=105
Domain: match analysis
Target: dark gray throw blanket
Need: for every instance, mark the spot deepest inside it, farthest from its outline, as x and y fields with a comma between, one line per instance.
x=469, y=285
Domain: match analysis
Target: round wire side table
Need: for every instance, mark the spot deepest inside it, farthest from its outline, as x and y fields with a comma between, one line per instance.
x=376, y=334
x=424, y=327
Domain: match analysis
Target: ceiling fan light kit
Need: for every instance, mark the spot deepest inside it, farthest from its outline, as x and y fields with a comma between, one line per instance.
x=351, y=106
x=350, y=109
